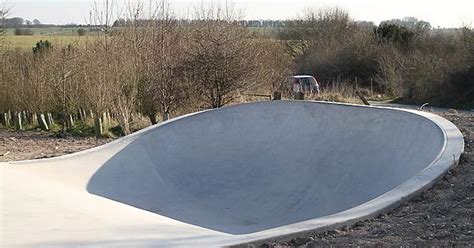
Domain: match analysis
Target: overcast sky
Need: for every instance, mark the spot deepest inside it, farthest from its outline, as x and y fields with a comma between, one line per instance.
x=452, y=13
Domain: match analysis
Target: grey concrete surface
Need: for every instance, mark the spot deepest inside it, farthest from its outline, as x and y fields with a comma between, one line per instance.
x=232, y=175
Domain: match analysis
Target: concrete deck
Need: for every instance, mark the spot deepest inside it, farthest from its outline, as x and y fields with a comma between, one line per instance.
x=227, y=176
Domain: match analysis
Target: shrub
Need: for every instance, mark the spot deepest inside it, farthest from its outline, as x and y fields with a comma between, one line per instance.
x=42, y=46
x=81, y=32
x=23, y=31
x=460, y=88
x=398, y=35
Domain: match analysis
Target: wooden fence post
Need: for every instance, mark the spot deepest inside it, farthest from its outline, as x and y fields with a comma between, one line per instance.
x=277, y=95
x=362, y=98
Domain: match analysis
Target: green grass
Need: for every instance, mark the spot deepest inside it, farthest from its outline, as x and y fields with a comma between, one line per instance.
x=81, y=129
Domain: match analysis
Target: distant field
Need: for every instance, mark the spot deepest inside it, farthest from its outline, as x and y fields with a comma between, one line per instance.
x=266, y=31
x=59, y=36
x=58, y=31
x=14, y=42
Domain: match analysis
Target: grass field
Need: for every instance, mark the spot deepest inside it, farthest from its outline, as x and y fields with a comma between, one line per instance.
x=57, y=31
x=14, y=42
x=59, y=36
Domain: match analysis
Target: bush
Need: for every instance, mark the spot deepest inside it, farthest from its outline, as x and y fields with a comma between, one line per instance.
x=441, y=71
x=42, y=46
x=460, y=89
x=399, y=58
x=23, y=31
x=81, y=32
x=398, y=35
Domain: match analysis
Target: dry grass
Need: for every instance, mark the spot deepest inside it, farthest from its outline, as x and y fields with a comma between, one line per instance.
x=23, y=43
x=343, y=92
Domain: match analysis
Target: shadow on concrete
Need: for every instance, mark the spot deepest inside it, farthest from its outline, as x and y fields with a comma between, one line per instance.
x=249, y=168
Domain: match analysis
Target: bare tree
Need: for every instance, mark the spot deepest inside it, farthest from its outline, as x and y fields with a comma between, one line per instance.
x=32, y=84
x=4, y=66
x=273, y=68
x=8, y=87
x=129, y=44
x=317, y=29
x=222, y=57
x=66, y=83
x=221, y=62
x=3, y=16
x=102, y=68
x=164, y=86
x=97, y=89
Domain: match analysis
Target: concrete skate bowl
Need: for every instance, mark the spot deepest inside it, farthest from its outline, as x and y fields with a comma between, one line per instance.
x=253, y=167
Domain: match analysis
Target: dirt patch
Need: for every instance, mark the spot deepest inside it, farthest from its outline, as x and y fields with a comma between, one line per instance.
x=25, y=145
x=441, y=216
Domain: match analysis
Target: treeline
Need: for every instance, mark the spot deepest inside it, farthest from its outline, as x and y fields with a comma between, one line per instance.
x=18, y=22
x=400, y=58
x=160, y=70
x=165, y=67
x=23, y=31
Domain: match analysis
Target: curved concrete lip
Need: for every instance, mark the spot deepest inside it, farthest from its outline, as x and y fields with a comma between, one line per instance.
x=90, y=198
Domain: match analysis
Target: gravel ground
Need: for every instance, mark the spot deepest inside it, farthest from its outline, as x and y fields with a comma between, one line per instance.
x=25, y=145
x=441, y=216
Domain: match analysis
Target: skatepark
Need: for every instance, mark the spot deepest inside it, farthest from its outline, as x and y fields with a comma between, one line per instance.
x=229, y=176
